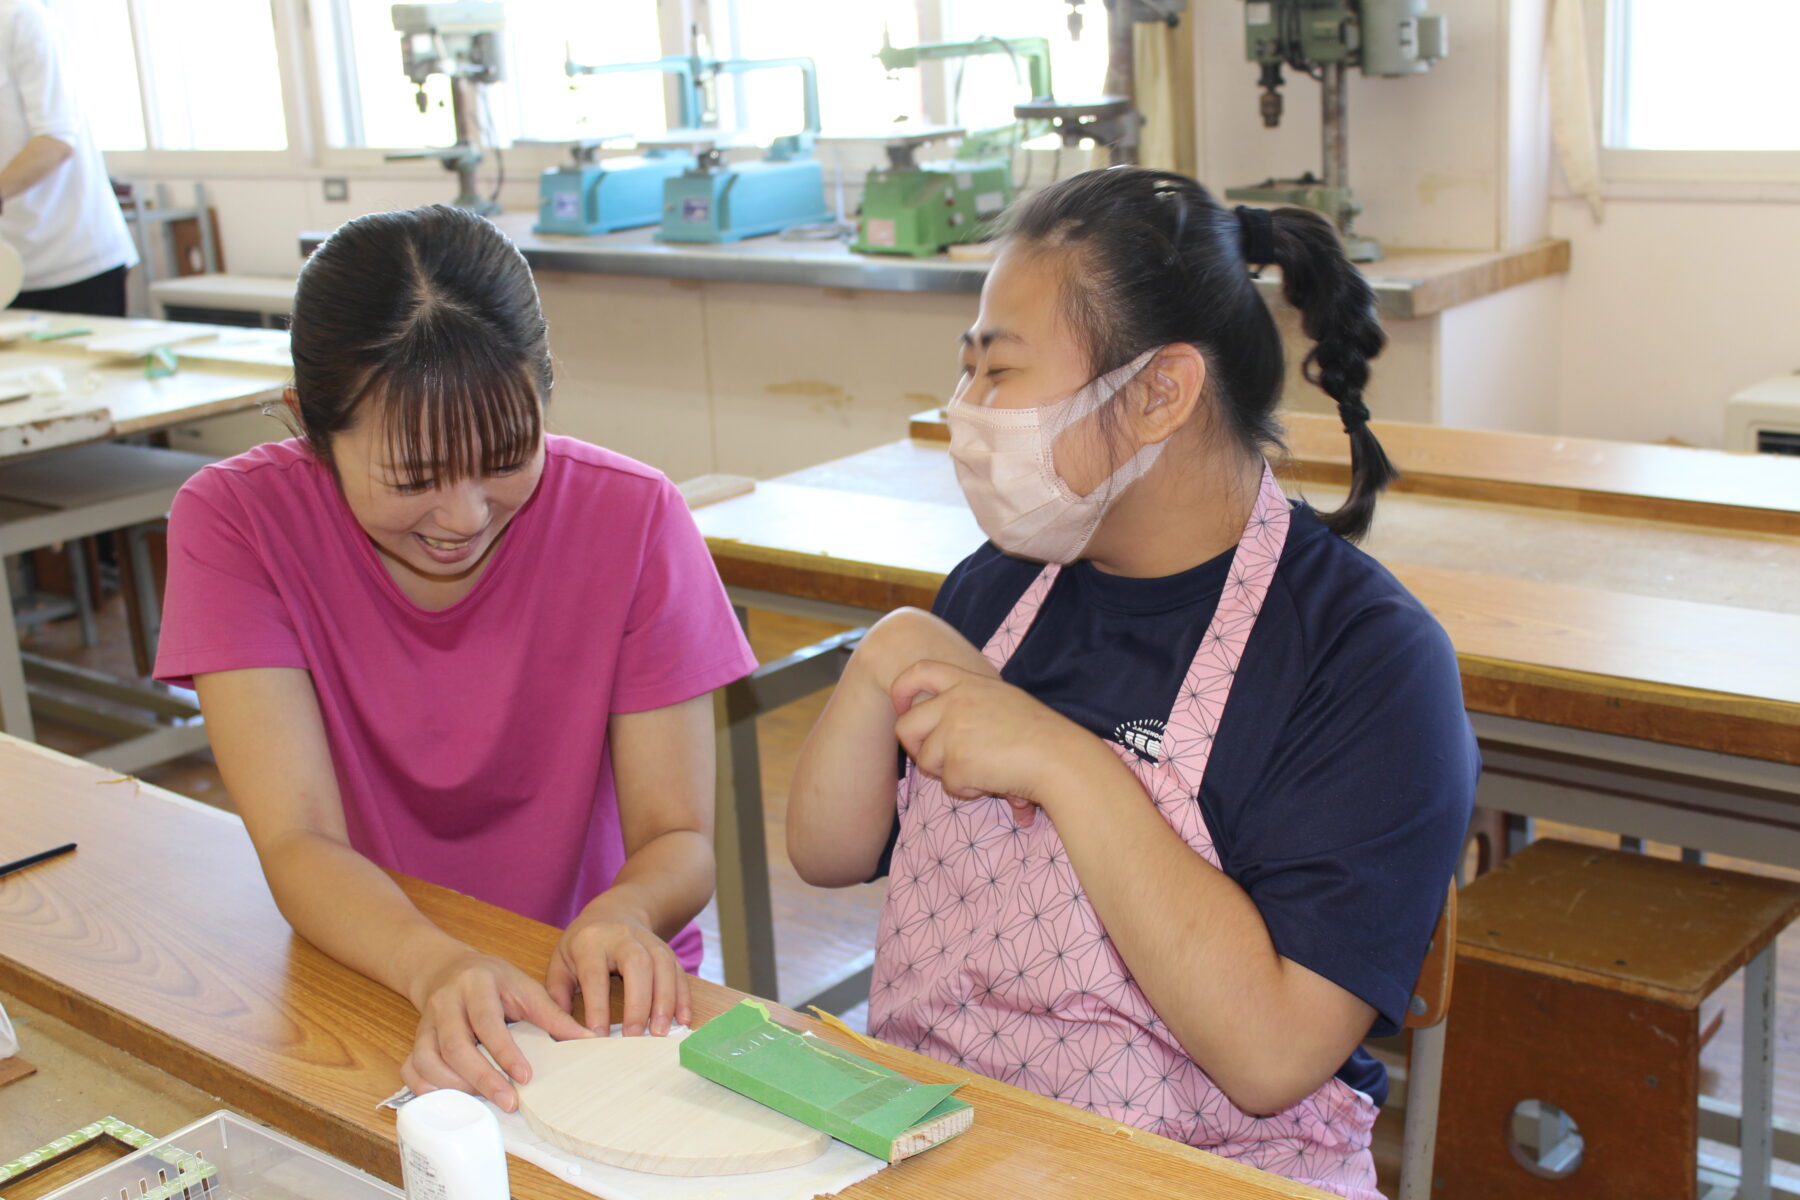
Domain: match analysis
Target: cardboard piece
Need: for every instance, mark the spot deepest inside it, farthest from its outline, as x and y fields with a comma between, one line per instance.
x=879, y=1111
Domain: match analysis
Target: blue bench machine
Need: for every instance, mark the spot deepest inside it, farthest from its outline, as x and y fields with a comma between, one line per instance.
x=682, y=179
x=590, y=195
x=719, y=201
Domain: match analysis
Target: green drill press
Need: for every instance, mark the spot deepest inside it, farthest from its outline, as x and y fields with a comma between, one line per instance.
x=1323, y=39
x=918, y=208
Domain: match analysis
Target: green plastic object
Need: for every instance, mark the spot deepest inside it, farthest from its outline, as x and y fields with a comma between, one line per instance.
x=161, y=363
x=880, y=1112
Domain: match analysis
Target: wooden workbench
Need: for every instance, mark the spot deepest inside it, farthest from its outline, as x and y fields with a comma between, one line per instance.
x=222, y=369
x=1679, y=635
x=61, y=480
x=159, y=936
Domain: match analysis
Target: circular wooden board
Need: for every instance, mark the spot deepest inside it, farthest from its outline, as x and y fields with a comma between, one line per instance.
x=628, y=1102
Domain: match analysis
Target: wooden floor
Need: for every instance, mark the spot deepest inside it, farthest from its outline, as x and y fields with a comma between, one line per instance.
x=821, y=933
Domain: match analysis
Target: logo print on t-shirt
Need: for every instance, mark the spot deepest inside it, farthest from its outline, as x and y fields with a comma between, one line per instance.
x=1142, y=737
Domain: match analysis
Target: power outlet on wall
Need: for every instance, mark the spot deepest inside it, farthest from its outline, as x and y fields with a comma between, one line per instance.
x=337, y=189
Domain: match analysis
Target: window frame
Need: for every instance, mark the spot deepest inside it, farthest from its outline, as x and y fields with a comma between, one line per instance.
x=1671, y=174
x=154, y=159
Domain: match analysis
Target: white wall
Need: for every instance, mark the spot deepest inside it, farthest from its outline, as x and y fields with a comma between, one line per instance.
x=1671, y=307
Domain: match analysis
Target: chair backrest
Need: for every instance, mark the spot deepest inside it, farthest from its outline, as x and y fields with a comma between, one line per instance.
x=1431, y=994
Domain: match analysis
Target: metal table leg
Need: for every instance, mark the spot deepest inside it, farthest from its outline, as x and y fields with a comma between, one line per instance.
x=746, y=924
x=1756, y=1131
x=15, y=701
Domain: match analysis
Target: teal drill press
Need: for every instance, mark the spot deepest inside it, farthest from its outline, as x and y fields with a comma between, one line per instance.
x=590, y=195
x=918, y=208
x=1323, y=39
x=718, y=200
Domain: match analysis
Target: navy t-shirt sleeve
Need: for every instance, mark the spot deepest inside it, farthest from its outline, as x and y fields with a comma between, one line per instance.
x=1353, y=833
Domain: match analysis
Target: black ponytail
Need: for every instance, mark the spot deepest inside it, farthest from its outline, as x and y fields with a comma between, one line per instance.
x=1337, y=311
x=1159, y=261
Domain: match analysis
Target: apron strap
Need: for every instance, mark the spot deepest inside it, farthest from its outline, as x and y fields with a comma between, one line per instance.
x=1187, y=742
x=1018, y=622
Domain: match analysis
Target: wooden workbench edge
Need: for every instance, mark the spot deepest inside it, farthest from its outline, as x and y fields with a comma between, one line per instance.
x=277, y=1107
x=857, y=585
x=1668, y=510
x=1735, y=725
x=1432, y=294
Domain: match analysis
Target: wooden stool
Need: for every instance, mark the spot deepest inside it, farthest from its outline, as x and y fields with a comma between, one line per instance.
x=1580, y=974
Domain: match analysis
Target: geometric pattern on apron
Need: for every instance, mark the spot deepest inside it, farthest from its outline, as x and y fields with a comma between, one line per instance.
x=990, y=957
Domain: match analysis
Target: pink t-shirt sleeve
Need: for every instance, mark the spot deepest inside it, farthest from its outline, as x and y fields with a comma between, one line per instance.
x=681, y=636
x=221, y=609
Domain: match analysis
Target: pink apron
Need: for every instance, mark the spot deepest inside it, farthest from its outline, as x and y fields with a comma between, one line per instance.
x=990, y=957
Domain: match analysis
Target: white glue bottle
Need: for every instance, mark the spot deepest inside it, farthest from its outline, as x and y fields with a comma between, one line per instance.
x=450, y=1148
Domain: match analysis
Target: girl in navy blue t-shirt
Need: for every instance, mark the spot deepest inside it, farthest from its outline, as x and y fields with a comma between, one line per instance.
x=1170, y=844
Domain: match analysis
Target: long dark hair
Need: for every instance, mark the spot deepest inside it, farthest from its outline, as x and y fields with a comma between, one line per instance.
x=1157, y=261
x=433, y=314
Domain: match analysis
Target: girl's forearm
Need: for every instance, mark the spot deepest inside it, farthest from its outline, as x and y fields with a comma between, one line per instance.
x=663, y=885
x=841, y=801
x=354, y=911
x=1198, y=947
x=35, y=162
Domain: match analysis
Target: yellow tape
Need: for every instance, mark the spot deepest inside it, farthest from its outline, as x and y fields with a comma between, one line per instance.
x=833, y=1022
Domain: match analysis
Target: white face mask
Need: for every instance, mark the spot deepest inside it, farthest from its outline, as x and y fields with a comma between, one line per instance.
x=1006, y=462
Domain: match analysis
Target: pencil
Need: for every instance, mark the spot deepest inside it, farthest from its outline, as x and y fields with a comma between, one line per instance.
x=30, y=859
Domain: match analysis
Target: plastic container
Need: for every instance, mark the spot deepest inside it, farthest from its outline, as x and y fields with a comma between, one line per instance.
x=225, y=1157
x=450, y=1148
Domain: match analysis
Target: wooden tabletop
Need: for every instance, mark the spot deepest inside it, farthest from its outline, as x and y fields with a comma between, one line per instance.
x=1667, y=931
x=221, y=369
x=1691, y=485
x=159, y=936
x=1680, y=635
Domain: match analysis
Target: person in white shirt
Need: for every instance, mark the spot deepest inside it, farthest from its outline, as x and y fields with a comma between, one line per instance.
x=57, y=207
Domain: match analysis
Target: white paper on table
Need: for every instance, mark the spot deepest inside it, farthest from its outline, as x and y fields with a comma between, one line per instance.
x=132, y=343
x=9, y=1041
x=32, y=381
x=14, y=328
x=840, y=1166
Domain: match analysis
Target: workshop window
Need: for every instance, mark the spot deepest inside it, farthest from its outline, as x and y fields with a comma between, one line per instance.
x=175, y=74
x=856, y=96
x=982, y=91
x=1697, y=91
x=369, y=102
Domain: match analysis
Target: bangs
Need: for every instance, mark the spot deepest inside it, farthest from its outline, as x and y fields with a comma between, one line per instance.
x=453, y=420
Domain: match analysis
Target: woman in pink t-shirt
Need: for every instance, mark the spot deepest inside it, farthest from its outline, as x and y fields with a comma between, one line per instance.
x=430, y=638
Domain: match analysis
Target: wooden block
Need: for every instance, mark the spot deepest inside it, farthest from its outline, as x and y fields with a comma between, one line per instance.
x=929, y=426
x=1652, y=927
x=628, y=1102
x=14, y=1069
x=1626, y=1069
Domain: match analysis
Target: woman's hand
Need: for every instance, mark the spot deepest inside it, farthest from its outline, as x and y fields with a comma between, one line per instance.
x=594, y=948
x=468, y=1000
x=979, y=736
